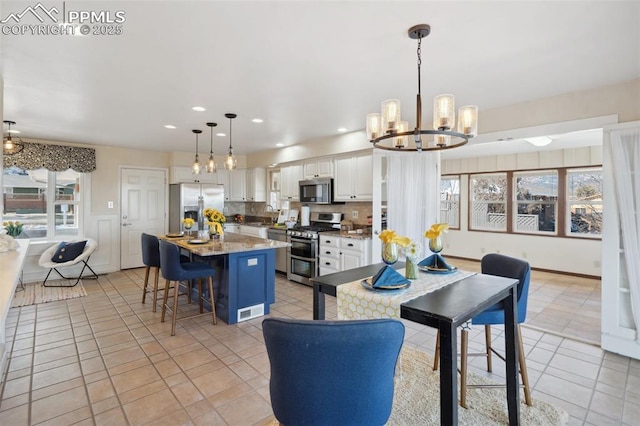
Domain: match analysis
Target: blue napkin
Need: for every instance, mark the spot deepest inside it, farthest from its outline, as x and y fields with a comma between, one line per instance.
x=436, y=261
x=388, y=276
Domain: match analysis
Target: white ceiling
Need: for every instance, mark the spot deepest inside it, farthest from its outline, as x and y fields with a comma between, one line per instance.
x=306, y=68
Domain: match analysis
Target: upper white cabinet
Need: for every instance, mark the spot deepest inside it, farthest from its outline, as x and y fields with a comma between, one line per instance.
x=289, y=178
x=235, y=184
x=183, y=174
x=257, y=184
x=353, y=178
x=318, y=167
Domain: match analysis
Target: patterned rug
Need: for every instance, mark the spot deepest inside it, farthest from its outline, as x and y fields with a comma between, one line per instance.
x=35, y=293
x=417, y=398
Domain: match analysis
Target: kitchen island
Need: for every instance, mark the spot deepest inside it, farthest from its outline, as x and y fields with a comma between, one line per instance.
x=244, y=285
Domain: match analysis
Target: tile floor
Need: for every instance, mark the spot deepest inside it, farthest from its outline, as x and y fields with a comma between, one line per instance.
x=106, y=359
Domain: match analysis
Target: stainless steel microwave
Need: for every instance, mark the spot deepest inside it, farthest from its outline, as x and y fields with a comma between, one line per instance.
x=316, y=191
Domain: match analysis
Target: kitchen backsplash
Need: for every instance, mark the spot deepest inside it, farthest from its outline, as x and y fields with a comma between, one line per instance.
x=364, y=210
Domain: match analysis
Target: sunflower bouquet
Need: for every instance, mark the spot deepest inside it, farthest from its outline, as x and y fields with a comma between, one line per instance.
x=215, y=219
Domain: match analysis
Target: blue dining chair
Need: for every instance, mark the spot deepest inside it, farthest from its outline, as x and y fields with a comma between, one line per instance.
x=332, y=372
x=173, y=270
x=502, y=266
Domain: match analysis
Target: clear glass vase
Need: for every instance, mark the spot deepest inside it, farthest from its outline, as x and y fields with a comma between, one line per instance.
x=435, y=244
x=390, y=253
x=411, y=269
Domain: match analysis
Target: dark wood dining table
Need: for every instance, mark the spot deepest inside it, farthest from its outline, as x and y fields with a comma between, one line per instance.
x=446, y=309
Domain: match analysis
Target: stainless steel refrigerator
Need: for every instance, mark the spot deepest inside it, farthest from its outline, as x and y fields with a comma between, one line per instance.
x=183, y=202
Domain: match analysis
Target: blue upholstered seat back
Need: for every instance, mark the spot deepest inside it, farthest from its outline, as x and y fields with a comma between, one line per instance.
x=150, y=250
x=509, y=267
x=332, y=372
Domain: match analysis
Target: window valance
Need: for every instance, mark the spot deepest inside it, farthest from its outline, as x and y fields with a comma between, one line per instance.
x=55, y=158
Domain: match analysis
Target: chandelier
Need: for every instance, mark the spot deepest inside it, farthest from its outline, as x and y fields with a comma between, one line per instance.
x=11, y=145
x=388, y=131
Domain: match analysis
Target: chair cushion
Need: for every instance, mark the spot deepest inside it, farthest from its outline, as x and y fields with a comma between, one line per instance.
x=68, y=251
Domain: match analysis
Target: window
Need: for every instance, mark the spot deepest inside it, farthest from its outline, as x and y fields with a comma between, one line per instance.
x=46, y=203
x=450, y=201
x=536, y=201
x=488, y=194
x=584, y=200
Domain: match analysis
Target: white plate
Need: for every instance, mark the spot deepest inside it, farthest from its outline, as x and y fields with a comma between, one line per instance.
x=197, y=242
x=367, y=284
x=175, y=235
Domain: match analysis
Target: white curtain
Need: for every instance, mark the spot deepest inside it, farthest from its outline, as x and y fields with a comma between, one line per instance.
x=413, y=193
x=625, y=150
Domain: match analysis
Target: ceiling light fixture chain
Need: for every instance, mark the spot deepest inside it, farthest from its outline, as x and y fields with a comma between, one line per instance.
x=387, y=131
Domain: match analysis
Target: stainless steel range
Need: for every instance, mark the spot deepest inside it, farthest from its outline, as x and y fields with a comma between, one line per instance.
x=302, y=255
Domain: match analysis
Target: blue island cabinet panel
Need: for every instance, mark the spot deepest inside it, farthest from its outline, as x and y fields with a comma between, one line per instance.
x=248, y=281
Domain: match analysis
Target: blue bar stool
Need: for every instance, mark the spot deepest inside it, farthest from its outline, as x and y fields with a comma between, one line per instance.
x=151, y=259
x=173, y=270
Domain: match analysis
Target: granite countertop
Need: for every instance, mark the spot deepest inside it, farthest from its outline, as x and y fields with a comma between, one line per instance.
x=229, y=242
x=363, y=236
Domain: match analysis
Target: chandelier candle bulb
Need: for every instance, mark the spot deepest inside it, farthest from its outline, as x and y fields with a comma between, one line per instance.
x=390, y=115
x=444, y=116
x=401, y=141
x=468, y=120
x=374, y=125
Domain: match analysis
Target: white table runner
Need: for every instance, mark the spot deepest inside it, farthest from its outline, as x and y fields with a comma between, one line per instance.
x=357, y=302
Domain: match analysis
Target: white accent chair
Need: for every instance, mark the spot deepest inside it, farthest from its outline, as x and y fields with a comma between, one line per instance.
x=46, y=262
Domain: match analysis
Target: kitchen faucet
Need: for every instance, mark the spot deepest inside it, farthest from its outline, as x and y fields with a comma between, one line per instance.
x=269, y=209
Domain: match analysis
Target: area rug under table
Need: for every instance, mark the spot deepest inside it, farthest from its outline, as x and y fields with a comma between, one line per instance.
x=417, y=398
x=35, y=293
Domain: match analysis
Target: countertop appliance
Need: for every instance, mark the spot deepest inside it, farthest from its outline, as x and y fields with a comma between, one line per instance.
x=183, y=202
x=281, y=253
x=303, y=254
x=316, y=191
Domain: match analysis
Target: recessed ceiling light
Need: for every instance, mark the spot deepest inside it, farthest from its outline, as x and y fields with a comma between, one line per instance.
x=221, y=134
x=169, y=126
x=257, y=120
x=342, y=129
x=198, y=108
x=540, y=141
x=279, y=145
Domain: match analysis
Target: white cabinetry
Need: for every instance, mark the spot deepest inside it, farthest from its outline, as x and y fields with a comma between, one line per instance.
x=183, y=174
x=235, y=184
x=341, y=254
x=257, y=184
x=289, y=178
x=231, y=227
x=254, y=231
x=318, y=167
x=353, y=178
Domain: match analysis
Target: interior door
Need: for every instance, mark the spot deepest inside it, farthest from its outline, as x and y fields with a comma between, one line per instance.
x=143, y=202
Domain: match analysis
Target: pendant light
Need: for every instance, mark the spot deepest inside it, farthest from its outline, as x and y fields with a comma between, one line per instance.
x=211, y=164
x=11, y=145
x=387, y=131
x=230, y=163
x=195, y=169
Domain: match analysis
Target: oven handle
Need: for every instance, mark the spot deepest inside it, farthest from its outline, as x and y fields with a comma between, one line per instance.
x=306, y=259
